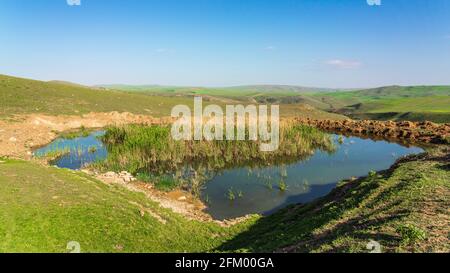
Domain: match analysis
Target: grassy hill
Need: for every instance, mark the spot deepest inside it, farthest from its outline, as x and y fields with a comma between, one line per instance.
x=235, y=91
x=24, y=96
x=392, y=102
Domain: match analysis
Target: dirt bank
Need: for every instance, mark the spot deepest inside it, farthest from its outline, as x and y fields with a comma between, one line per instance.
x=413, y=132
x=178, y=201
x=19, y=135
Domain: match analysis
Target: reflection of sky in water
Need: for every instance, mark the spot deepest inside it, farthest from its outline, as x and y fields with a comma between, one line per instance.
x=79, y=151
x=306, y=180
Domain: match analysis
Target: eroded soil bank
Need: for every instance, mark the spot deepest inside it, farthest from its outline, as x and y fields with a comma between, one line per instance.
x=413, y=132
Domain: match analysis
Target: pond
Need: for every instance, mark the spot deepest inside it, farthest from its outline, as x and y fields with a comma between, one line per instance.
x=77, y=152
x=242, y=190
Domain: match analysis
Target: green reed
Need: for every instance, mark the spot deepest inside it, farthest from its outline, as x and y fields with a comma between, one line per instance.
x=151, y=149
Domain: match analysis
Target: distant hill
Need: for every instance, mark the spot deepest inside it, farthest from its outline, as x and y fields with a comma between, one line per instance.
x=267, y=94
x=396, y=91
x=69, y=83
x=391, y=102
x=246, y=90
x=281, y=88
x=19, y=95
x=25, y=96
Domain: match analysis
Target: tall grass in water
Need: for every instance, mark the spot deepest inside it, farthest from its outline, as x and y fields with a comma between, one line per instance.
x=138, y=148
x=54, y=153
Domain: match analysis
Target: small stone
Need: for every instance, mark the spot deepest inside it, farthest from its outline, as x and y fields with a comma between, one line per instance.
x=110, y=174
x=118, y=247
x=12, y=139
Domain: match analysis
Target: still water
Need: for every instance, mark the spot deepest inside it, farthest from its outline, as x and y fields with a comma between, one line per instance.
x=243, y=190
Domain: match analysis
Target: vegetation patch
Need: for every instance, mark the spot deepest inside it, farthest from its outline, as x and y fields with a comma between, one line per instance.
x=81, y=132
x=410, y=233
x=414, y=103
x=54, y=154
x=150, y=150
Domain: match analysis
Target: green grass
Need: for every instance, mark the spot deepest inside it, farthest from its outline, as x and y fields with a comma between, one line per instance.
x=237, y=91
x=151, y=153
x=43, y=208
x=404, y=209
x=54, y=154
x=137, y=149
x=81, y=132
x=163, y=183
x=23, y=96
x=392, y=102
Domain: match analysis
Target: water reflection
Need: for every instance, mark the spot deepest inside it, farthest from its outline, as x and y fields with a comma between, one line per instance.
x=257, y=186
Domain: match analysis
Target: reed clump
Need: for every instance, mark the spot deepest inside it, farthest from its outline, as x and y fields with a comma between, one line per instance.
x=137, y=147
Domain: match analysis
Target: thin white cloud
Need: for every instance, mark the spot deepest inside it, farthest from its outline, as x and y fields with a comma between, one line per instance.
x=343, y=64
x=270, y=47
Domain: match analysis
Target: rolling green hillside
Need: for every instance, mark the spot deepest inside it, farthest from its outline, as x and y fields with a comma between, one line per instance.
x=24, y=96
x=392, y=102
x=236, y=91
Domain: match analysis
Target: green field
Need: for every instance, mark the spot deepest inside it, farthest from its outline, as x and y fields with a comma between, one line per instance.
x=394, y=102
x=237, y=91
x=415, y=103
x=24, y=96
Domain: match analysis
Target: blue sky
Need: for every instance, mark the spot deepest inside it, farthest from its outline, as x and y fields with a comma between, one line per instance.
x=323, y=43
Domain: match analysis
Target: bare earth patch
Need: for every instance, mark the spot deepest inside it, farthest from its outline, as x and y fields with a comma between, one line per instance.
x=178, y=201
